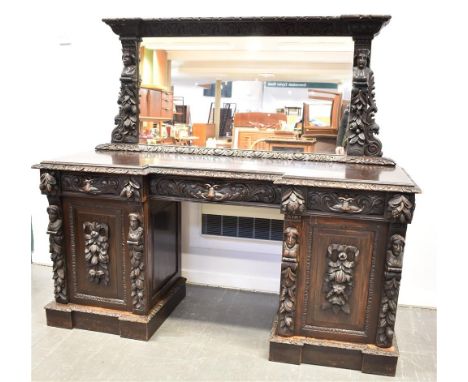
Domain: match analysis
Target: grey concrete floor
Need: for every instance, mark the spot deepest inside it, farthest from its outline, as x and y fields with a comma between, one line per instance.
x=213, y=335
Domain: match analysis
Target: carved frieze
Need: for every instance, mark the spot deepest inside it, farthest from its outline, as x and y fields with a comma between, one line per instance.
x=48, y=183
x=127, y=120
x=55, y=231
x=96, y=254
x=400, y=209
x=291, y=243
x=135, y=244
x=361, y=124
x=292, y=201
x=391, y=288
x=287, y=307
x=345, y=202
x=216, y=192
x=338, y=281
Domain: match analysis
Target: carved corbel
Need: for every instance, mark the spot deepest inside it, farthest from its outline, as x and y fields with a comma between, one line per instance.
x=293, y=202
x=127, y=121
x=55, y=231
x=135, y=242
x=400, y=209
x=131, y=190
x=48, y=183
x=390, y=292
x=362, y=127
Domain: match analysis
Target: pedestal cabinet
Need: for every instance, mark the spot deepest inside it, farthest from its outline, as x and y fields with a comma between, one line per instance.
x=115, y=242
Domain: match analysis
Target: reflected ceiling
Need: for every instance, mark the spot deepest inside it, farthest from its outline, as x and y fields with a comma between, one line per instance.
x=327, y=59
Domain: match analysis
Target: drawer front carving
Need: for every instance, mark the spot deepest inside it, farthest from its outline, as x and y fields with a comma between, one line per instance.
x=125, y=187
x=221, y=191
x=341, y=279
x=352, y=203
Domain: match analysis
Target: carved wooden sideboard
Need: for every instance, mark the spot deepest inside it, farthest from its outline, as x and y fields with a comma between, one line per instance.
x=115, y=222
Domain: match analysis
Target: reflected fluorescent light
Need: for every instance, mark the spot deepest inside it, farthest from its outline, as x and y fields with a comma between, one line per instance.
x=253, y=45
x=266, y=75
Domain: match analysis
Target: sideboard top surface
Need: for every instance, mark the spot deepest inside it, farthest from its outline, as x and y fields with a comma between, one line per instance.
x=314, y=174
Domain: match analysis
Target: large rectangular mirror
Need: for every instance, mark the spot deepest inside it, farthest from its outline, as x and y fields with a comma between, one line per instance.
x=278, y=93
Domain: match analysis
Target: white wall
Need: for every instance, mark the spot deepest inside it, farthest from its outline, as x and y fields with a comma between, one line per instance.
x=229, y=262
x=74, y=90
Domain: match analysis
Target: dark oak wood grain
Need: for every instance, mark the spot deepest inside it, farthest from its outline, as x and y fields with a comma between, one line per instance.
x=115, y=215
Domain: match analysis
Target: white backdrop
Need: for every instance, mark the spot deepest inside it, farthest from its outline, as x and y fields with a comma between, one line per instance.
x=72, y=70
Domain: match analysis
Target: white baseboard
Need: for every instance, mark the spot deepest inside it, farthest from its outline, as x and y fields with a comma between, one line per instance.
x=232, y=281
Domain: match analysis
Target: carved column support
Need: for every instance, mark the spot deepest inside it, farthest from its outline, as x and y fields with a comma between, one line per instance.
x=135, y=242
x=400, y=209
x=292, y=205
x=50, y=186
x=362, y=127
x=127, y=120
x=391, y=285
x=56, y=248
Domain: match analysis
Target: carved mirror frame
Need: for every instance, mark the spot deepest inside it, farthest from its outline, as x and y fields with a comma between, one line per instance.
x=363, y=147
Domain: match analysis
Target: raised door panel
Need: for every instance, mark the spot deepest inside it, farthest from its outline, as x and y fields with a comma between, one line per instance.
x=341, y=273
x=95, y=253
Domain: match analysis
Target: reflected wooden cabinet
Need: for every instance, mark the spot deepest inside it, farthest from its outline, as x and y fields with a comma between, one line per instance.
x=155, y=104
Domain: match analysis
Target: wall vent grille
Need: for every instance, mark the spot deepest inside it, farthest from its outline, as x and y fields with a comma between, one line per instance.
x=241, y=226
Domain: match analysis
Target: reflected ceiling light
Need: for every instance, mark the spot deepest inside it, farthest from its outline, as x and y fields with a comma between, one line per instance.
x=253, y=45
x=266, y=75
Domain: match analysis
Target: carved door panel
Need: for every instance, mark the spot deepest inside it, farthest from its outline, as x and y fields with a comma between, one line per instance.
x=340, y=278
x=95, y=252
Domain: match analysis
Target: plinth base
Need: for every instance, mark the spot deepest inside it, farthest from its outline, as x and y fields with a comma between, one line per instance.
x=365, y=357
x=126, y=324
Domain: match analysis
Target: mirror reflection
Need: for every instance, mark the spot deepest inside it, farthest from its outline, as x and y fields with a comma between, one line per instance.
x=257, y=93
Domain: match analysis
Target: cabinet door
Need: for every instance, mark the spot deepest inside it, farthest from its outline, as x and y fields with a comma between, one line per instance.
x=341, y=276
x=144, y=102
x=154, y=103
x=96, y=252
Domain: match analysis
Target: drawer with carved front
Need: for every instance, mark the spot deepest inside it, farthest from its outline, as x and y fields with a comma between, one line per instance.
x=347, y=202
x=219, y=190
x=129, y=188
